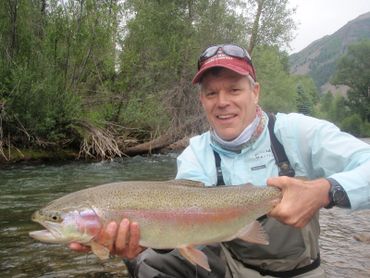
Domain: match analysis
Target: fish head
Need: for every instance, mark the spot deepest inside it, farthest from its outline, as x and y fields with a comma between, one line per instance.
x=64, y=226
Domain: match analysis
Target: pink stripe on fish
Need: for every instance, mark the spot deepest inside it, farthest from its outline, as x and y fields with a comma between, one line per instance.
x=190, y=215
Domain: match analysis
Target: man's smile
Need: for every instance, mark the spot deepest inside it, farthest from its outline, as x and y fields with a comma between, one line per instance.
x=226, y=116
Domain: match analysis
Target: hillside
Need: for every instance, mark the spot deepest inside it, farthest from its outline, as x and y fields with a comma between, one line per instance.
x=319, y=58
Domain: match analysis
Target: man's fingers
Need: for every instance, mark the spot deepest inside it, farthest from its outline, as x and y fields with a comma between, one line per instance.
x=122, y=240
x=133, y=247
x=108, y=236
x=122, y=236
x=79, y=248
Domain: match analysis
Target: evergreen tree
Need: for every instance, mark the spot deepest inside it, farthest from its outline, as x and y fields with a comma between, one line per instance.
x=303, y=104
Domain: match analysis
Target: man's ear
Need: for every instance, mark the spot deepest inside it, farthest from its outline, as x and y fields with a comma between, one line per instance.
x=201, y=96
x=256, y=92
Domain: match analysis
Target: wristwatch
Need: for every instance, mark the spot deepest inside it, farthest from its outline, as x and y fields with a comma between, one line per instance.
x=337, y=195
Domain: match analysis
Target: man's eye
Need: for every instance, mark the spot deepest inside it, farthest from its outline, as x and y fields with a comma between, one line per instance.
x=210, y=94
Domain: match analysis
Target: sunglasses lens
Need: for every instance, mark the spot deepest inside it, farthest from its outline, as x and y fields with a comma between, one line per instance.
x=236, y=51
x=209, y=52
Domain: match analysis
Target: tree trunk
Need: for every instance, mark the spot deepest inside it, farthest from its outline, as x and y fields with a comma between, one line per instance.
x=13, y=7
x=175, y=135
x=254, y=34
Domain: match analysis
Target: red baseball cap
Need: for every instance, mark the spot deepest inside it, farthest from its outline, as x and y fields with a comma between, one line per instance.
x=239, y=65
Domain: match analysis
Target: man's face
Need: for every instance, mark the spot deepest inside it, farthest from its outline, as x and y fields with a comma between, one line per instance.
x=229, y=102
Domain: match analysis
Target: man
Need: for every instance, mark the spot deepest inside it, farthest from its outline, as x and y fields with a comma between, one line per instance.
x=335, y=164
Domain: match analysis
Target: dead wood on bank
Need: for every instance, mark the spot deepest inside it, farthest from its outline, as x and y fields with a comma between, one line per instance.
x=164, y=143
x=173, y=139
x=97, y=143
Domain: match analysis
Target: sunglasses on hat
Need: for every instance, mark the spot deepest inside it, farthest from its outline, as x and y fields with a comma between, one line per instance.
x=228, y=49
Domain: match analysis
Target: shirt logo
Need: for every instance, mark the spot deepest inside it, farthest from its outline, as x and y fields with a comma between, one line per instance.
x=255, y=168
x=263, y=154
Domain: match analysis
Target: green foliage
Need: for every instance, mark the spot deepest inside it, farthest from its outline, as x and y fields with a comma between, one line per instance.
x=145, y=113
x=304, y=105
x=42, y=109
x=337, y=110
x=276, y=24
x=353, y=70
x=127, y=62
x=352, y=124
x=365, y=129
x=277, y=86
x=159, y=59
x=351, y=113
x=333, y=108
x=55, y=55
x=307, y=95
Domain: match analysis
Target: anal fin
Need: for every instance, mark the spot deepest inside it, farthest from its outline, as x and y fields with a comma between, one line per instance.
x=254, y=233
x=195, y=256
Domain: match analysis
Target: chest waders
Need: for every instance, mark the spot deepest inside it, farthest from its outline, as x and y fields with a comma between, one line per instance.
x=291, y=251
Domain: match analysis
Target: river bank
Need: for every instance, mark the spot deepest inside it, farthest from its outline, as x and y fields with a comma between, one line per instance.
x=13, y=155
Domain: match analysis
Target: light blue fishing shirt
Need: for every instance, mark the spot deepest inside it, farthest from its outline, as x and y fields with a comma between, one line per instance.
x=315, y=149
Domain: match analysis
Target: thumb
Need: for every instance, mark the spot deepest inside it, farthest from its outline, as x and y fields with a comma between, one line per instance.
x=78, y=247
x=278, y=182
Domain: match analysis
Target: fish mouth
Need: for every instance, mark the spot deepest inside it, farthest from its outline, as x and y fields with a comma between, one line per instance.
x=52, y=233
x=45, y=236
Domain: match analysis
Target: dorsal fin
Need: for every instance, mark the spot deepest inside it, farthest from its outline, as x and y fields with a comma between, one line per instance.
x=188, y=183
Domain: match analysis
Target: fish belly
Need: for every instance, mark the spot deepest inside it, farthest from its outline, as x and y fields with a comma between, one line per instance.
x=175, y=229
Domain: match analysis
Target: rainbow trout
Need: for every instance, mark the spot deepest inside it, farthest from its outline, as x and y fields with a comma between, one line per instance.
x=171, y=214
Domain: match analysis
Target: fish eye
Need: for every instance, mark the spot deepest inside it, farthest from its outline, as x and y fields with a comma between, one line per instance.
x=55, y=217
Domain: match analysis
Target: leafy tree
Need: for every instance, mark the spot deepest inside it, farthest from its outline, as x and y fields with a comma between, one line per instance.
x=57, y=54
x=277, y=86
x=127, y=62
x=353, y=70
x=159, y=57
x=352, y=124
x=269, y=22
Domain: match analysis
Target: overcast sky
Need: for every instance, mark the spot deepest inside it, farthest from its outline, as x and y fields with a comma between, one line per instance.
x=317, y=18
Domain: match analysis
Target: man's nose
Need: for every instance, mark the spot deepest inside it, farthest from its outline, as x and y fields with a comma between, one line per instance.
x=223, y=99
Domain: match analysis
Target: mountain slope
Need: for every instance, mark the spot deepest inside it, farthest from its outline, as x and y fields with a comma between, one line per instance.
x=319, y=58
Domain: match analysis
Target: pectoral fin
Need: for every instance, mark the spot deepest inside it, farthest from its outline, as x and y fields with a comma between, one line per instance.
x=100, y=251
x=254, y=233
x=195, y=256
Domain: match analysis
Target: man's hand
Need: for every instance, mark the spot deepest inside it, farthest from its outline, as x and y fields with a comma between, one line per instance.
x=122, y=240
x=301, y=199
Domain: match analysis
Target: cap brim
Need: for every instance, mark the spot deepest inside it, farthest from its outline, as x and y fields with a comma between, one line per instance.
x=224, y=64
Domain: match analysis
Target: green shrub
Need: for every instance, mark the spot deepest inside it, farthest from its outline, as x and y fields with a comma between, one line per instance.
x=40, y=106
x=352, y=124
x=365, y=129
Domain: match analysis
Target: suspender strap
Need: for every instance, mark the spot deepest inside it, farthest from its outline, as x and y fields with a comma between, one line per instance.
x=220, y=178
x=278, y=150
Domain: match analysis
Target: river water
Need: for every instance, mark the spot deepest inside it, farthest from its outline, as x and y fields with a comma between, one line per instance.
x=25, y=188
